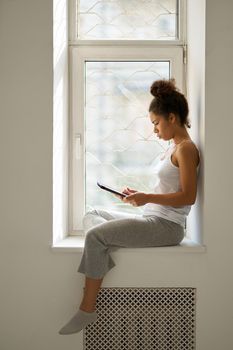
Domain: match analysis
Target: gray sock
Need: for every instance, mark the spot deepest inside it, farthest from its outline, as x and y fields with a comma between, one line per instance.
x=79, y=321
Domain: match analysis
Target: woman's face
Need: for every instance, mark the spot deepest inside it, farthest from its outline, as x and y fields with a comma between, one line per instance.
x=162, y=128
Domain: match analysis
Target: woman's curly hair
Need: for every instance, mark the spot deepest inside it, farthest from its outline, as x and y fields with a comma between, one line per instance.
x=168, y=99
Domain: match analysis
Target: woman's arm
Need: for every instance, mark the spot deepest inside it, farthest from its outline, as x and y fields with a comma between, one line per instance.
x=187, y=161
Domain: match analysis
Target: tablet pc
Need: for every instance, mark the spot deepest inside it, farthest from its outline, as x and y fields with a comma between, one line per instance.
x=109, y=189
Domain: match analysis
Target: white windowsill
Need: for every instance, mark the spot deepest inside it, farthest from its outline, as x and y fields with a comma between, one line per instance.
x=76, y=244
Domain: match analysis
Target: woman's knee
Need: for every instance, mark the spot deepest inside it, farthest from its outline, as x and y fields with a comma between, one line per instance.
x=92, y=237
x=90, y=234
x=95, y=238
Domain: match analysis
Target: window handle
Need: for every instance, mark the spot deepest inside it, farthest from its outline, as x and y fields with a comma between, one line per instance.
x=78, y=146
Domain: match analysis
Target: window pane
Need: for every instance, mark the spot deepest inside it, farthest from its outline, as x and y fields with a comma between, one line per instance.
x=121, y=148
x=124, y=19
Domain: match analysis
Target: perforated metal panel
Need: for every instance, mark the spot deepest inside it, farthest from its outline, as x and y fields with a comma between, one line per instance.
x=143, y=318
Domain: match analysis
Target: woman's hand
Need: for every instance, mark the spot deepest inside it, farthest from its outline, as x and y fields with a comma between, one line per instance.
x=128, y=191
x=136, y=199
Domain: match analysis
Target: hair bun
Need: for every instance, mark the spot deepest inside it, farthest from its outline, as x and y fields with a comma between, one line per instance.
x=163, y=87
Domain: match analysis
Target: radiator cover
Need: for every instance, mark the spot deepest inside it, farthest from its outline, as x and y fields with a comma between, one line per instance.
x=143, y=318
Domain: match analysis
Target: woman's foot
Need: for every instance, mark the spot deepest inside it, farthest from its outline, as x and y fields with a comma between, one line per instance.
x=79, y=321
x=87, y=307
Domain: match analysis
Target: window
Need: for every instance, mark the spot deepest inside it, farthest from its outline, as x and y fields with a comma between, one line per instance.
x=117, y=49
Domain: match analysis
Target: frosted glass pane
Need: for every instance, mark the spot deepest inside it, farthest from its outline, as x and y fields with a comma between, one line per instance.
x=121, y=148
x=124, y=19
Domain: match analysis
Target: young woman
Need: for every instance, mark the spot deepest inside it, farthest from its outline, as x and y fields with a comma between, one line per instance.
x=165, y=210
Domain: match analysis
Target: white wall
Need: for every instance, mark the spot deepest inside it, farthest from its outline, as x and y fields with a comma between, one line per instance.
x=60, y=119
x=40, y=289
x=196, y=14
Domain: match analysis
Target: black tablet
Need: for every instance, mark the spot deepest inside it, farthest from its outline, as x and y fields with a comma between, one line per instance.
x=109, y=189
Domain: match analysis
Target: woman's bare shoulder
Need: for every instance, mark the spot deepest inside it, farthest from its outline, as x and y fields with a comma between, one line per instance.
x=190, y=147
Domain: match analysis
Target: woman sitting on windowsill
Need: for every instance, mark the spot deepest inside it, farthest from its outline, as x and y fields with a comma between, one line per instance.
x=165, y=210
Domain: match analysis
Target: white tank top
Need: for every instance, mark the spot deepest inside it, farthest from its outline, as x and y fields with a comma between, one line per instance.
x=168, y=182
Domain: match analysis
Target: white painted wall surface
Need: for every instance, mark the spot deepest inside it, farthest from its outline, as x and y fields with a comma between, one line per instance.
x=40, y=289
x=196, y=14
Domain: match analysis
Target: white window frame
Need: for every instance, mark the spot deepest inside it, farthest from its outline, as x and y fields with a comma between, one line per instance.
x=81, y=51
x=73, y=30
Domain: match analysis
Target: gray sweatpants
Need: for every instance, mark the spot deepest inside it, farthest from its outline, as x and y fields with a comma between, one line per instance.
x=107, y=231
